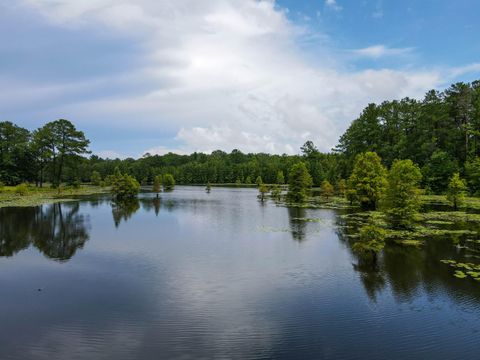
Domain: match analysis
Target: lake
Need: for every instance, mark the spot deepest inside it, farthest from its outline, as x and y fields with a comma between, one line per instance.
x=193, y=275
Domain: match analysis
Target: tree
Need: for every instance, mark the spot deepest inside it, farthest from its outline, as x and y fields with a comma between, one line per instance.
x=341, y=187
x=472, y=172
x=124, y=186
x=456, y=191
x=371, y=242
x=280, y=178
x=438, y=171
x=276, y=192
x=259, y=181
x=168, y=182
x=309, y=149
x=65, y=141
x=96, y=178
x=299, y=182
x=157, y=184
x=402, y=196
x=262, y=191
x=368, y=179
x=327, y=189
x=15, y=157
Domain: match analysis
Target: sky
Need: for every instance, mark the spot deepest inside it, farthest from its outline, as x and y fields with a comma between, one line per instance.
x=156, y=76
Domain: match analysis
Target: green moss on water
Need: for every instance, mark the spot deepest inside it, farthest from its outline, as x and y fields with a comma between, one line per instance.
x=449, y=216
x=410, y=242
x=38, y=196
x=460, y=274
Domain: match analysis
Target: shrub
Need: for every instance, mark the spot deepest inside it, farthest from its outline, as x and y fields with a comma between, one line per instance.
x=21, y=189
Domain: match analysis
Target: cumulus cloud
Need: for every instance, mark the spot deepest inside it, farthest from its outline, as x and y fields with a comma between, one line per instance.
x=221, y=74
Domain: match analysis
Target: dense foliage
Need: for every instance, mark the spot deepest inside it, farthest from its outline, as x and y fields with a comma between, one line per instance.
x=402, y=198
x=124, y=186
x=440, y=133
x=456, y=191
x=299, y=183
x=368, y=180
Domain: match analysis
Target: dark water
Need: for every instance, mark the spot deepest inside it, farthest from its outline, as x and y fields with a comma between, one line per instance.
x=201, y=276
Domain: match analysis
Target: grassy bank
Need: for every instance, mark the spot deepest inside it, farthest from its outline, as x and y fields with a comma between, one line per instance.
x=33, y=196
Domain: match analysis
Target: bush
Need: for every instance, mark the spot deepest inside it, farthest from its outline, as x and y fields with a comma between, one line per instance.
x=372, y=241
x=21, y=189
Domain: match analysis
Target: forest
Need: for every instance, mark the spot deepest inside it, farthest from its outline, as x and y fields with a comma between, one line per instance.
x=440, y=134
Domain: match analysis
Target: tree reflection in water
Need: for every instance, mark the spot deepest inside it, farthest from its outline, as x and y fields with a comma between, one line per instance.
x=57, y=230
x=297, y=227
x=408, y=270
x=124, y=209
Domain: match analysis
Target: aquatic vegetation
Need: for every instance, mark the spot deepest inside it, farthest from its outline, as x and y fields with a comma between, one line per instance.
x=268, y=229
x=39, y=196
x=410, y=242
x=464, y=270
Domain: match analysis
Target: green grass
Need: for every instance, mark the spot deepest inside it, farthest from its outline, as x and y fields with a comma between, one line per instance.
x=35, y=196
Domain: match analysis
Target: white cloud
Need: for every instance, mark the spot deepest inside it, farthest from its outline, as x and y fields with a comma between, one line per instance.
x=462, y=70
x=379, y=51
x=332, y=4
x=228, y=74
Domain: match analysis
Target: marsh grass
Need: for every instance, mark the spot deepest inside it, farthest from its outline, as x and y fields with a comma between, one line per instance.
x=34, y=196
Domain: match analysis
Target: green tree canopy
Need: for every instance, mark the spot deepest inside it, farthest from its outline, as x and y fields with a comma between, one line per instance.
x=327, y=189
x=65, y=141
x=168, y=182
x=157, y=184
x=368, y=179
x=402, y=198
x=280, y=178
x=299, y=183
x=456, y=191
x=124, y=186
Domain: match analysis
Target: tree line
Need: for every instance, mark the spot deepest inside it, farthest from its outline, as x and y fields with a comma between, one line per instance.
x=440, y=134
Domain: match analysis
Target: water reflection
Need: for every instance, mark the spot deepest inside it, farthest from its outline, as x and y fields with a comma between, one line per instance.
x=297, y=227
x=409, y=270
x=219, y=276
x=124, y=210
x=57, y=230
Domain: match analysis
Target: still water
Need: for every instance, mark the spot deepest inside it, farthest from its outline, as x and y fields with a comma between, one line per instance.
x=203, y=276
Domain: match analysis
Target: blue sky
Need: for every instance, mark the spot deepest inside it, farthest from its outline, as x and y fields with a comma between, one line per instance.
x=190, y=75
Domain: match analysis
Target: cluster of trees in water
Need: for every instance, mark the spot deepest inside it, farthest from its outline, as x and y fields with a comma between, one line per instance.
x=440, y=134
